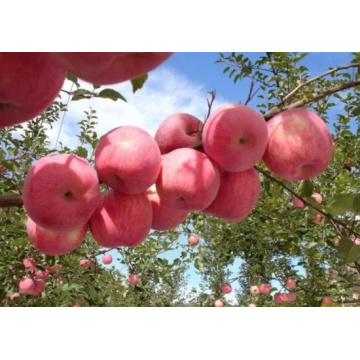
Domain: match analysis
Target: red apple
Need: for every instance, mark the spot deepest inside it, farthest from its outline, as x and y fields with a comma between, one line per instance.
x=279, y=298
x=85, y=263
x=14, y=296
x=107, y=259
x=235, y=136
x=77, y=305
x=29, y=83
x=133, y=279
x=336, y=242
x=121, y=220
x=39, y=286
x=219, y=303
x=300, y=145
x=226, y=288
x=298, y=203
x=188, y=180
x=317, y=197
x=42, y=274
x=292, y=297
x=291, y=283
x=128, y=160
x=29, y=263
x=61, y=192
x=357, y=241
x=326, y=300
x=52, y=242
x=26, y=285
x=193, y=239
x=178, y=131
x=317, y=218
x=264, y=289
x=237, y=195
x=110, y=68
x=254, y=290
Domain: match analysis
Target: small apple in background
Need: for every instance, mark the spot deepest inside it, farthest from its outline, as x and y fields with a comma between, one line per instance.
x=326, y=300
x=356, y=241
x=26, y=285
x=85, y=263
x=110, y=68
x=193, y=239
x=300, y=145
x=292, y=297
x=336, y=242
x=61, y=192
x=107, y=259
x=252, y=305
x=29, y=263
x=39, y=286
x=133, y=279
x=317, y=218
x=51, y=269
x=235, y=137
x=29, y=83
x=178, y=131
x=124, y=165
x=226, y=288
x=14, y=296
x=298, y=203
x=317, y=197
x=279, y=298
x=291, y=283
x=77, y=305
x=254, y=290
x=42, y=274
x=264, y=289
x=219, y=303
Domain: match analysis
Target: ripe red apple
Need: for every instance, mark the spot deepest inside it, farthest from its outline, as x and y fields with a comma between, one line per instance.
x=52, y=242
x=178, y=131
x=235, y=136
x=193, y=239
x=39, y=286
x=107, y=259
x=51, y=269
x=29, y=263
x=29, y=83
x=110, y=68
x=128, y=159
x=326, y=300
x=298, y=203
x=61, y=192
x=300, y=145
x=279, y=298
x=336, y=242
x=317, y=197
x=237, y=195
x=164, y=217
x=291, y=283
x=226, y=288
x=254, y=290
x=219, y=303
x=188, y=180
x=14, y=296
x=42, y=274
x=121, y=219
x=264, y=289
x=357, y=241
x=133, y=279
x=85, y=263
x=292, y=297
x=26, y=285
x=317, y=218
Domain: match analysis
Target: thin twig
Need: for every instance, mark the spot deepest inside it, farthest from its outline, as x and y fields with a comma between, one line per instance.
x=210, y=103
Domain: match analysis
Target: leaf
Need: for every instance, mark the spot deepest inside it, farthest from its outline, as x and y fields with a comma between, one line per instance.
x=344, y=202
x=110, y=94
x=82, y=152
x=73, y=79
x=50, y=260
x=138, y=82
x=198, y=264
x=348, y=250
x=307, y=188
x=356, y=111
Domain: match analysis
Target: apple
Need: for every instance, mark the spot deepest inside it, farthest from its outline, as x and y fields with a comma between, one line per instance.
x=326, y=300
x=317, y=197
x=53, y=242
x=298, y=203
x=219, y=303
x=61, y=192
x=235, y=136
x=237, y=196
x=164, y=217
x=29, y=263
x=85, y=263
x=42, y=274
x=107, y=259
x=252, y=305
x=128, y=159
x=226, y=288
x=188, y=180
x=254, y=290
x=292, y=297
x=357, y=241
x=121, y=219
x=178, y=131
x=336, y=242
x=39, y=286
x=193, y=239
x=317, y=218
x=29, y=83
x=14, y=296
x=291, y=283
x=264, y=289
x=26, y=285
x=133, y=279
x=77, y=305
x=279, y=298
x=300, y=145
x=110, y=68
x=51, y=269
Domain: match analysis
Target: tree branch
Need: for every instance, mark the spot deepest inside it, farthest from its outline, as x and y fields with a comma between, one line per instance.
x=10, y=201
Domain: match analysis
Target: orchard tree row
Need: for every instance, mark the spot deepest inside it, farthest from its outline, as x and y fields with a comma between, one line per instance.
x=284, y=214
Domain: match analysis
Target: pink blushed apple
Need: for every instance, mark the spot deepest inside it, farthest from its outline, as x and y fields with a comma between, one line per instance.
x=317, y=197
x=226, y=288
x=252, y=305
x=107, y=259
x=128, y=159
x=235, y=136
x=26, y=285
x=291, y=283
x=254, y=290
x=193, y=240
x=219, y=303
x=178, y=131
x=300, y=145
x=264, y=289
x=326, y=300
x=292, y=297
x=280, y=298
x=29, y=263
x=29, y=83
x=188, y=180
x=317, y=218
x=85, y=263
x=42, y=274
x=298, y=203
x=133, y=279
x=14, y=296
x=121, y=219
x=61, y=192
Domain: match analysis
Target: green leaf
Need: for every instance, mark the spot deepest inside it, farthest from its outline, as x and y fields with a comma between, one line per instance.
x=344, y=202
x=50, y=260
x=82, y=152
x=198, y=264
x=73, y=79
x=356, y=111
x=307, y=188
x=110, y=94
x=138, y=82
x=348, y=250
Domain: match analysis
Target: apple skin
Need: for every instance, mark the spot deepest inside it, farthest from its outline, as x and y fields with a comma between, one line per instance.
x=280, y=298
x=29, y=83
x=39, y=286
x=292, y=297
x=29, y=263
x=291, y=283
x=61, y=192
x=14, y=296
x=326, y=300
x=107, y=259
x=317, y=218
x=52, y=242
x=42, y=274
x=77, y=305
x=193, y=239
x=235, y=137
x=226, y=288
x=237, y=196
x=128, y=159
x=85, y=263
x=317, y=197
x=110, y=68
x=164, y=217
x=219, y=303
x=121, y=219
x=298, y=203
x=188, y=180
x=264, y=289
x=26, y=285
x=178, y=131
x=252, y=305
x=133, y=279
x=300, y=145
x=254, y=290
